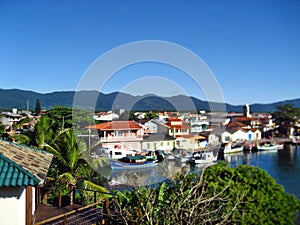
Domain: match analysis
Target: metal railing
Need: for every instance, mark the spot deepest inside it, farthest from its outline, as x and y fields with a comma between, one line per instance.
x=91, y=214
x=121, y=138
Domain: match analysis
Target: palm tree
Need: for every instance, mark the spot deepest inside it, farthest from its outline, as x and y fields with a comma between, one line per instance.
x=71, y=168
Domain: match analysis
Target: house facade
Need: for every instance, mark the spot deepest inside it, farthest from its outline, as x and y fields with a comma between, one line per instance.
x=238, y=135
x=177, y=127
x=10, y=118
x=151, y=127
x=125, y=135
x=158, y=141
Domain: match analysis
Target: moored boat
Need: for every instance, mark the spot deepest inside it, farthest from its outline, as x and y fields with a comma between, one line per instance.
x=267, y=147
x=231, y=148
x=204, y=157
x=133, y=162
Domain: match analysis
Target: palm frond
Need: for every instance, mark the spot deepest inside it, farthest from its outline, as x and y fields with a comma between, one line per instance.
x=66, y=178
x=55, y=152
x=85, y=184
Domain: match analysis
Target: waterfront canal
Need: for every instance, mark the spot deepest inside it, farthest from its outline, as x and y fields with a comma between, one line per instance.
x=283, y=165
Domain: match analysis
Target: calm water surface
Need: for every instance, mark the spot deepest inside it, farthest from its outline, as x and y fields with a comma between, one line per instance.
x=283, y=165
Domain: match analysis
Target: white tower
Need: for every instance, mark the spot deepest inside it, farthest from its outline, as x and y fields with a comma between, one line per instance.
x=246, y=111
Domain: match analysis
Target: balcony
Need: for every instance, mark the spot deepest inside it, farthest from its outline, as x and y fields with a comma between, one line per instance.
x=121, y=138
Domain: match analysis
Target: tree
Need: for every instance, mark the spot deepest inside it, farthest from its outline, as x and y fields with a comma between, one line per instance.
x=37, y=107
x=2, y=129
x=219, y=195
x=70, y=169
x=150, y=115
x=285, y=116
x=61, y=117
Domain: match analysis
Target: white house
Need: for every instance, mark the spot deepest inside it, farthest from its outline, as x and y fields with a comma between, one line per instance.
x=253, y=134
x=198, y=126
x=226, y=137
x=22, y=170
x=125, y=135
x=10, y=118
x=239, y=135
x=177, y=127
x=236, y=135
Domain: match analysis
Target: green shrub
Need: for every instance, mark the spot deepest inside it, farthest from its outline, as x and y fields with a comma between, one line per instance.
x=220, y=194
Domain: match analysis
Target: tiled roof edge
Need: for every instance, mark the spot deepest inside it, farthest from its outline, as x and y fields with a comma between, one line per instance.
x=37, y=180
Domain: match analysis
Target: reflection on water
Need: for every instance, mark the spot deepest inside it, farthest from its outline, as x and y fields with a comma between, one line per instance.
x=124, y=178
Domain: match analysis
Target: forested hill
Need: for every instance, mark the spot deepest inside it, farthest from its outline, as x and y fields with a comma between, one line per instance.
x=15, y=98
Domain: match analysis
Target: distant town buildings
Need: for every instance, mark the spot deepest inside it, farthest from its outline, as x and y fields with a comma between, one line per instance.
x=169, y=130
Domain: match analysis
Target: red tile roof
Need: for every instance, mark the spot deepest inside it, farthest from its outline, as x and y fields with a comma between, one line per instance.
x=117, y=125
x=236, y=124
x=183, y=126
x=174, y=119
x=243, y=118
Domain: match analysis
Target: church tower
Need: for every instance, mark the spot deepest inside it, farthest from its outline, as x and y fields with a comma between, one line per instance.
x=246, y=111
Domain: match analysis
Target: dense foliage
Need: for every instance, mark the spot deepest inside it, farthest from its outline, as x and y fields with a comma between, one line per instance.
x=69, y=168
x=219, y=195
x=285, y=116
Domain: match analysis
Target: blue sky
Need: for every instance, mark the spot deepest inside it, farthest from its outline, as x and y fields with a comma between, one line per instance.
x=252, y=47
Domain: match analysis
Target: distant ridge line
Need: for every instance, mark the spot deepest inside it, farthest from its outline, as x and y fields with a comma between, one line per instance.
x=24, y=99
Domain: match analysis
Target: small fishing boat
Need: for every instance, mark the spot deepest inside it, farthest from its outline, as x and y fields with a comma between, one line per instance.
x=231, y=148
x=204, y=157
x=133, y=162
x=267, y=147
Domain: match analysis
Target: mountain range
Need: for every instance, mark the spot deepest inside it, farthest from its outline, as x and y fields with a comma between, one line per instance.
x=23, y=99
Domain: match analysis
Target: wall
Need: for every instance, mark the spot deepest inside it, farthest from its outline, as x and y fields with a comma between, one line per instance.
x=12, y=205
x=166, y=146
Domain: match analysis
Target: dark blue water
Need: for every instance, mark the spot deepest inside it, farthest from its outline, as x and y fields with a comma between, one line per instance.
x=283, y=165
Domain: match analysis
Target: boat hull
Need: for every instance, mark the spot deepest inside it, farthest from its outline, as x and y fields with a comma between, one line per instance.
x=267, y=148
x=204, y=157
x=117, y=165
x=233, y=150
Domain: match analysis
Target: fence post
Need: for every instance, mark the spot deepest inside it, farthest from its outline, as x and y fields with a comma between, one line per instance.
x=65, y=219
x=59, y=198
x=105, y=211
